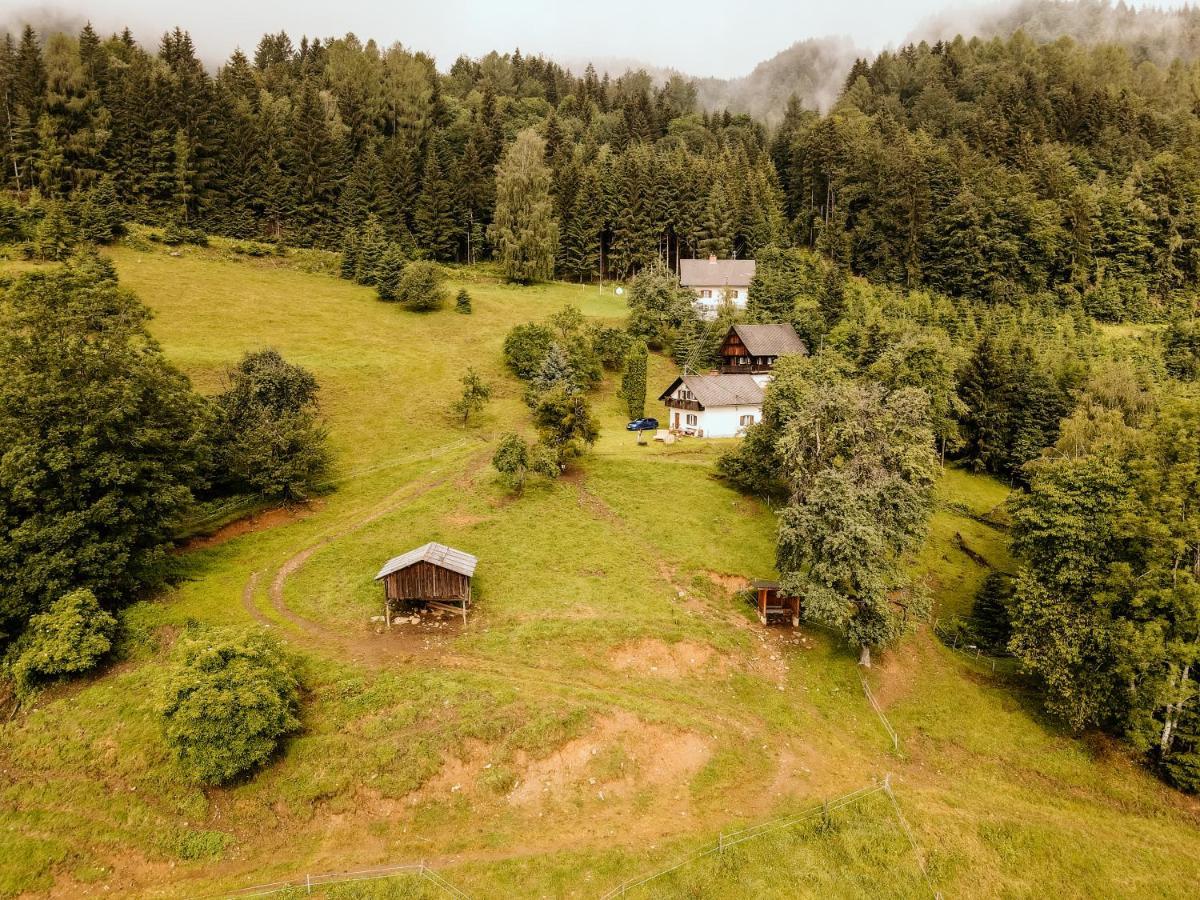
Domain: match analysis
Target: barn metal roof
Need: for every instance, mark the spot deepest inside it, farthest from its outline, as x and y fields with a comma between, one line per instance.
x=716, y=272
x=770, y=340
x=720, y=390
x=437, y=554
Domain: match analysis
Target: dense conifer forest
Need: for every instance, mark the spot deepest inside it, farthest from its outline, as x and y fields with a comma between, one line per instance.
x=995, y=170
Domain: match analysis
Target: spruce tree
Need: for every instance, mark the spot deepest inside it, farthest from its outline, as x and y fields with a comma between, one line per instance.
x=435, y=219
x=389, y=271
x=372, y=244
x=462, y=303
x=524, y=231
x=350, y=246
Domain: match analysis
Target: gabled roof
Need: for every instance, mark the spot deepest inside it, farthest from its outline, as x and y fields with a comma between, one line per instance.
x=716, y=272
x=437, y=554
x=720, y=390
x=770, y=340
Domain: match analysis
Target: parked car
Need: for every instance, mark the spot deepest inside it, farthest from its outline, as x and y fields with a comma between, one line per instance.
x=642, y=425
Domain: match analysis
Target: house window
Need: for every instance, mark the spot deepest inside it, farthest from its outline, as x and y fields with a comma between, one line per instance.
x=692, y=420
x=734, y=295
x=685, y=394
x=746, y=420
x=705, y=294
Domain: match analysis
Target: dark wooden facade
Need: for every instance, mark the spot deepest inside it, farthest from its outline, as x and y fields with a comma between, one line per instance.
x=426, y=581
x=736, y=359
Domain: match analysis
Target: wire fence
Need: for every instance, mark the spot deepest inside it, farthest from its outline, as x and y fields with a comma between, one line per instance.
x=308, y=882
x=727, y=840
x=879, y=712
x=953, y=639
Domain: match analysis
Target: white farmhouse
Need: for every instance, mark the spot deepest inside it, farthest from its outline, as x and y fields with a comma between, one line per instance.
x=714, y=405
x=717, y=282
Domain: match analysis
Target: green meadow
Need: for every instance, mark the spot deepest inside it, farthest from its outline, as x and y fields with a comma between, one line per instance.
x=610, y=707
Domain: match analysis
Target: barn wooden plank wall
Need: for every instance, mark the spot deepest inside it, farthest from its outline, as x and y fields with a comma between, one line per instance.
x=425, y=581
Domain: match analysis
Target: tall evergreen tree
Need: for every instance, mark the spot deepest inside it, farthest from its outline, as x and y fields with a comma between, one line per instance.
x=524, y=231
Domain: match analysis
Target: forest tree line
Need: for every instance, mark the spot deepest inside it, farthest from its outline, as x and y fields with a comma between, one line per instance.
x=993, y=170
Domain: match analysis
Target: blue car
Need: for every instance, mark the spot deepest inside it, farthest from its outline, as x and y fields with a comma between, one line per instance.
x=642, y=425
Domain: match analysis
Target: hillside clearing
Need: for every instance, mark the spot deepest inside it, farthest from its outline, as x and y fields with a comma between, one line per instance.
x=565, y=740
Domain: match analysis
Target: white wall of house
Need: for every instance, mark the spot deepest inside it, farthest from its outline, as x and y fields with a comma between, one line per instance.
x=715, y=421
x=709, y=299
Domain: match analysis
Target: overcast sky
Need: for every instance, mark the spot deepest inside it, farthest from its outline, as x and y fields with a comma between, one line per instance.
x=703, y=37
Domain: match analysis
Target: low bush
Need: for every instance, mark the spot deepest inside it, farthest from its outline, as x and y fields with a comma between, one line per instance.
x=420, y=286
x=69, y=638
x=229, y=700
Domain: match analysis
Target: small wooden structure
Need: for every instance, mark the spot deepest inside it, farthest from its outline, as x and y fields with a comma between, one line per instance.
x=435, y=575
x=770, y=602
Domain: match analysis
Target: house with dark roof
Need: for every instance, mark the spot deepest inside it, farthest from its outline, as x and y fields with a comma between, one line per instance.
x=727, y=403
x=753, y=349
x=717, y=282
x=713, y=405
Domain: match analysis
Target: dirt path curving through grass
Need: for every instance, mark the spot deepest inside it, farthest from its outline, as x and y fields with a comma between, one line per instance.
x=371, y=649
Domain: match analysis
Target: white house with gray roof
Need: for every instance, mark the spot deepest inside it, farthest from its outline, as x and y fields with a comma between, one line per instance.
x=717, y=282
x=714, y=405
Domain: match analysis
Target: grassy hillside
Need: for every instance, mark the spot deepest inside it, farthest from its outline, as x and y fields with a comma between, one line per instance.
x=609, y=709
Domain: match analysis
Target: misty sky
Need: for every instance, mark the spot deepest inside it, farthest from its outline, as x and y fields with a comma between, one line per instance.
x=702, y=37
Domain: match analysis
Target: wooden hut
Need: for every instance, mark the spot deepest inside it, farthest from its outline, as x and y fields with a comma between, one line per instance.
x=770, y=602
x=434, y=575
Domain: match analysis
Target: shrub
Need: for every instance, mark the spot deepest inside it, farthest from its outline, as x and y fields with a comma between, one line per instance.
x=177, y=233
x=229, y=699
x=526, y=347
x=420, y=287
x=511, y=459
x=69, y=638
x=462, y=303
x=610, y=345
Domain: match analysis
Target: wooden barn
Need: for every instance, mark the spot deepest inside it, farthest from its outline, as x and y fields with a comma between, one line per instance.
x=770, y=602
x=434, y=575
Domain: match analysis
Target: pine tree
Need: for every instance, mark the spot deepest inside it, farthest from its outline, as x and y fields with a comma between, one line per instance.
x=435, y=219
x=462, y=303
x=389, y=271
x=372, y=244
x=350, y=246
x=524, y=231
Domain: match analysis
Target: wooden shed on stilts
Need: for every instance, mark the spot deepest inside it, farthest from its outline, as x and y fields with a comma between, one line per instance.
x=434, y=575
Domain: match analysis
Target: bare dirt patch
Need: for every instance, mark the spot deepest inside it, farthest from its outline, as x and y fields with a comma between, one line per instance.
x=893, y=672
x=249, y=525
x=651, y=656
x=730, y=584
x=620, y=754
x=685, y=597
x=463, y=519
